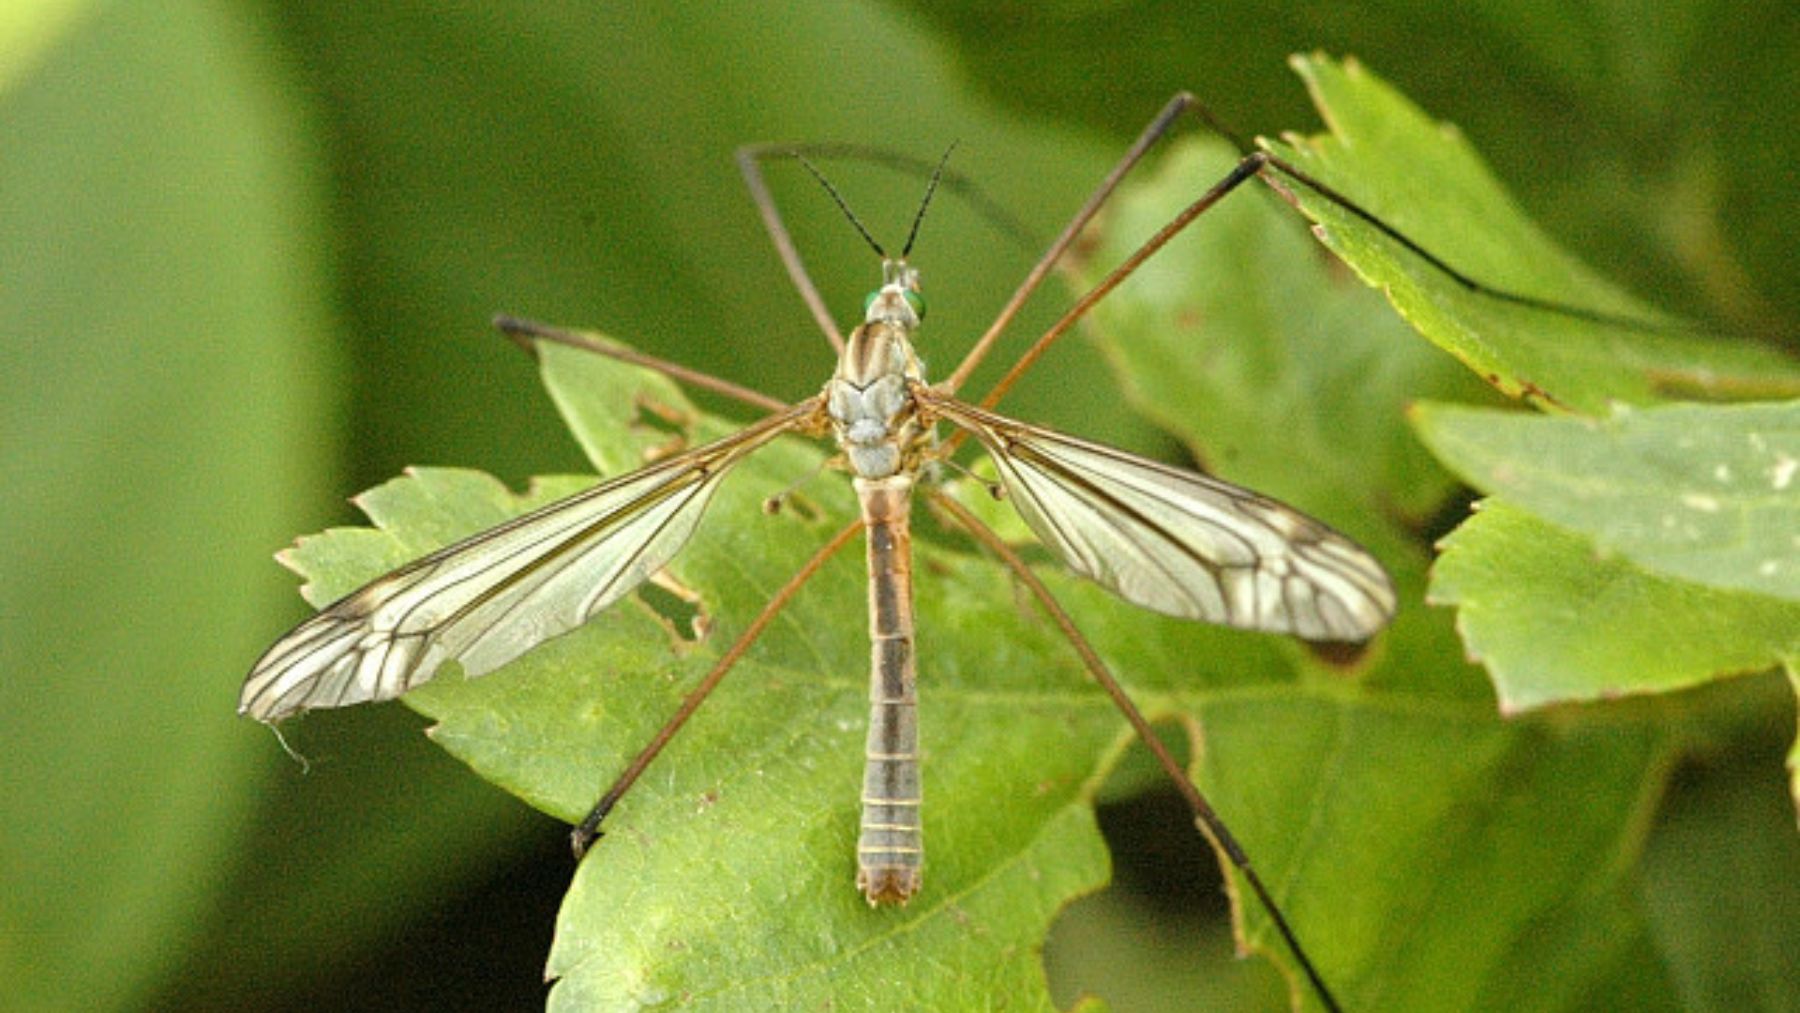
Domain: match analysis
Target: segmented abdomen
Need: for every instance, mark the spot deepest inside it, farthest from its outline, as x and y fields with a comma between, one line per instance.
x=890, y=851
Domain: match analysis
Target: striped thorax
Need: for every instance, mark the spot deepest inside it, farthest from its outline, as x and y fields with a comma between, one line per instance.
x=869, y=398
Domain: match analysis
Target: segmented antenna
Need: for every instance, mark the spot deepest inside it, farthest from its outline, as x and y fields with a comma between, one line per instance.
x=930, y=188
x=838, y=199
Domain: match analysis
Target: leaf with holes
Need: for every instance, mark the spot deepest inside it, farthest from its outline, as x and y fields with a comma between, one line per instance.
x=725, y=880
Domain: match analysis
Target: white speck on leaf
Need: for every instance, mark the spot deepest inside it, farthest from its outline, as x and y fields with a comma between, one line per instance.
x=1781, y=473
x=1701, y=502
x=1722, y=472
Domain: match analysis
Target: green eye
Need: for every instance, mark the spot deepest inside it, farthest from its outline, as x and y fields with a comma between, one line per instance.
x=913, y=299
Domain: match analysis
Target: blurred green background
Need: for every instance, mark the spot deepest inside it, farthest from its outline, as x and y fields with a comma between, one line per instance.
x=248, y=252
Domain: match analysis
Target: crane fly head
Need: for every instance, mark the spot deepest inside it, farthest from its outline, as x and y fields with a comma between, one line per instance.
x=898, y=301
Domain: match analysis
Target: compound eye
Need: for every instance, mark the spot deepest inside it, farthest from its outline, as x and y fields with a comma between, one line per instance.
x=869, y=301
x=917, y=302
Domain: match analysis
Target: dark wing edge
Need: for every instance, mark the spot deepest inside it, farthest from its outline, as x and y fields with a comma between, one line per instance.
x=489, y=598
x=1178, y=542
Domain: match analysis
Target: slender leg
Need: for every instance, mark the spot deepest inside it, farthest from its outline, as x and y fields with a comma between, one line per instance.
x=1205, y=817
x=1245, y=170
x=749, y=161
x=526, y=333
x=584, y=835
x=1152, y=133
x=1287, y=169
x=1298, y=175
x=1258, y=164
x=1272, y=169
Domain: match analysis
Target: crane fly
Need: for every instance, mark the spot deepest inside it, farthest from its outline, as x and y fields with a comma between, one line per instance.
x=1161, y=537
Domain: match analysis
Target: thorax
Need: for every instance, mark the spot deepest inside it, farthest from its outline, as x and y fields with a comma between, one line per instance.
x=869, y=398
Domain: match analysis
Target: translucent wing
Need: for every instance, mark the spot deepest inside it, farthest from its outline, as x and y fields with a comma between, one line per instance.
x=489, y=598
x=1181, y=543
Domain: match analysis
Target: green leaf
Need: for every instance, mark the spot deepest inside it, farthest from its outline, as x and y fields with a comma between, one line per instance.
x=748, y=821
x=1554, y=621
x=1273, y=370
x=1421, y=178
x=508, y=161
x=1271, y=366
x=1618, y=128
x=1707, y=494
x=725, y=879
x=1115, y=937
x=488, y=159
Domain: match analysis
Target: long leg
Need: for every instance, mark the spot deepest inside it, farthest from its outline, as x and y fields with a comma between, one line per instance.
x=1412, y=246
x=1467, y=281
x=1245, y=170
x=584, y=835
x=749, y=161
x=526, y=333
x=1152, y=133
x=1271, y=169
x=1205, y=817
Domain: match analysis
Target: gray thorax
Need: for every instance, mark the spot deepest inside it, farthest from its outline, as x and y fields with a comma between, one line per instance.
x=869, y=397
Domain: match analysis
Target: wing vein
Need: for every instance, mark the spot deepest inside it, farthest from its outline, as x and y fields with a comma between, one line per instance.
x=1179, y=542
x=490, y=597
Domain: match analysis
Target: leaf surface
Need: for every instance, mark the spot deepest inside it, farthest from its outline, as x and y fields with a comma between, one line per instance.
x=1423, y=179
x=1704, y=493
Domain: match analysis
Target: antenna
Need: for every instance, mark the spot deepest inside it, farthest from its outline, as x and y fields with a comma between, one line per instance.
x=930, y=188
x=838, y=199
